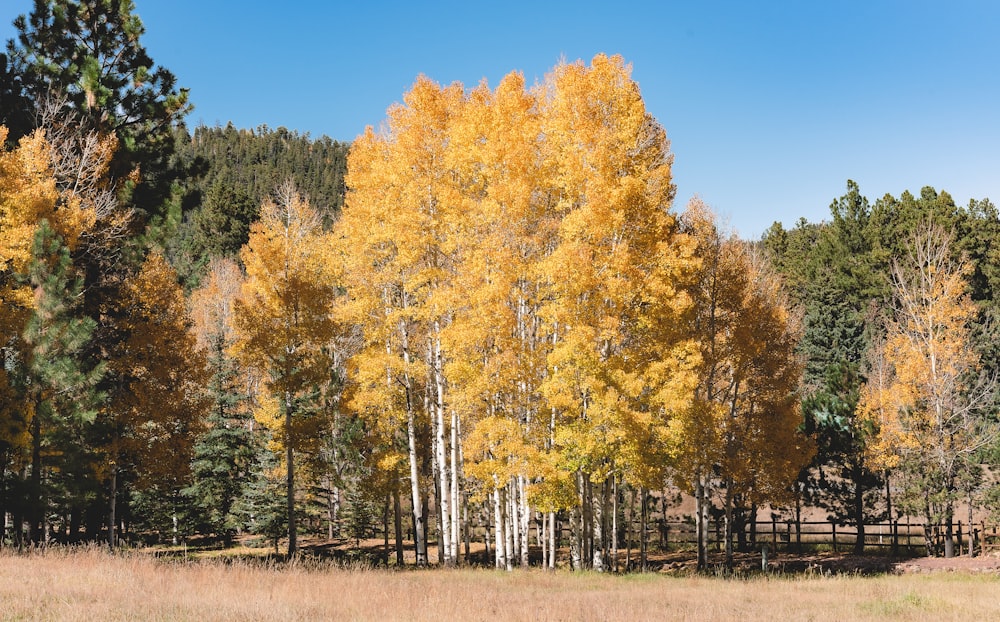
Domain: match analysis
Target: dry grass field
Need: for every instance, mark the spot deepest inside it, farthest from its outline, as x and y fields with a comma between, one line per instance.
x=92, y=585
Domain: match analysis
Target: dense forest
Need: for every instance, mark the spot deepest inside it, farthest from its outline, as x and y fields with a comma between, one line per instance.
x=489, y=317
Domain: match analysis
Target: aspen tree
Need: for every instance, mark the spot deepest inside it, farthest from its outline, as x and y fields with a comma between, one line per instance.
x=742, y=421
x=520, y=282
x=283, y=319
x=614, y=280
x=927, y=396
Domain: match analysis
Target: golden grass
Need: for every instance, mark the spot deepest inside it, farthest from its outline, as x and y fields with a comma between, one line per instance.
x=92, y=585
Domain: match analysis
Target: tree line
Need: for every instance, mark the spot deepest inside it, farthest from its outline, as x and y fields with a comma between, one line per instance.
x=486, y=313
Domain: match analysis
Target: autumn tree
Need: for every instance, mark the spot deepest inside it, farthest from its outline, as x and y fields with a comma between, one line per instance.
x=739, y=434
x=28, y=195
x=153, y=414
x=615, y=284
x=88, y=55
x=283, y=321
x=518, y=291
x=927, y=395
x=45, y=331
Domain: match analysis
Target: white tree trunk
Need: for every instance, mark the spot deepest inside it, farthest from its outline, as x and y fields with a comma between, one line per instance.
x=597, y=514
x=614, y=524
x=553, y=540
x=441, y=450
x=420, y=544
x=456, y=513
x=499, y=530
x=525, y=515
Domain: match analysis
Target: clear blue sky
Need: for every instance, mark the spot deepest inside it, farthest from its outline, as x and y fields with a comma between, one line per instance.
x=770, y=106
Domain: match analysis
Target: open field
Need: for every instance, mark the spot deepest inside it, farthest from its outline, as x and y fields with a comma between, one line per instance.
x=92, y=585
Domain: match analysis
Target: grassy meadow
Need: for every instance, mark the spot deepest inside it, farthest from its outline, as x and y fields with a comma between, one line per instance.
x=93, y=585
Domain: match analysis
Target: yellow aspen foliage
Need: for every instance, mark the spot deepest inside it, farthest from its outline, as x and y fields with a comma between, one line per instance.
x=283, y=319
x=741, y=425
x=521, y=287
x=617, y=275
x=161, y=375
x=765, y=450
x=28, y=194
x=924, y=395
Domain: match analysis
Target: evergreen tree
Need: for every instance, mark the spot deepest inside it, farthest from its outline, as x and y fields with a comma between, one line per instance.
x=87, y=55
x=837, y=276
x=61, y=383
x=224, y=456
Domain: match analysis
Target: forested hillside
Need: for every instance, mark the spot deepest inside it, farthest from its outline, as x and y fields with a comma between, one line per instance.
x=231, y=172
x=488, y=320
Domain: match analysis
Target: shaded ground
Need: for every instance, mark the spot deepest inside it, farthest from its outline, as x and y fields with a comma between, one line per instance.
x=683, y=562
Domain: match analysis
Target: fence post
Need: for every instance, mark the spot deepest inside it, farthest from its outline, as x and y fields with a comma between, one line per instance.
x=959, y=539
x=894, y=526
x=774, y=534
x=834, y=526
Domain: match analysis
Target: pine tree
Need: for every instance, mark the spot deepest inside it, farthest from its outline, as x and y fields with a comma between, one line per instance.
x=224, y=455
x=87, y=55
x=59, y=381
x=224, y=462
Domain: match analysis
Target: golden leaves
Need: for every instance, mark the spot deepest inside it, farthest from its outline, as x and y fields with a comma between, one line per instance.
x=161, y=370
x=921, y=395
x=282, y=319
x=528, y=232
x=744, y=416
x=27, y=195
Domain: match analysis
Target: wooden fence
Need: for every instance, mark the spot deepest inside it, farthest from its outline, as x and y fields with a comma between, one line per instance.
x=784, y=535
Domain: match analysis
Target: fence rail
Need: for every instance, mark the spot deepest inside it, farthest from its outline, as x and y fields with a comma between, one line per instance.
x=785, y=535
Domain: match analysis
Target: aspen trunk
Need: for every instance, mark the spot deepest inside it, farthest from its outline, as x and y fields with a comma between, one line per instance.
x=290, y=476
x=553, y=540
x=509, y=525
x=597, y=512
x=441, y=452
x=467, y=529
x=486, y=533
x=398, y=525
x=588, y=522
x=543, y=538
x=575, y=539
x=525, y=515
x=456, y=522
x=513, y=522
x=629, y=517
x=701, y=521
x=643, y=529
x=614, y=524
x=500, y=530
x=419, y=528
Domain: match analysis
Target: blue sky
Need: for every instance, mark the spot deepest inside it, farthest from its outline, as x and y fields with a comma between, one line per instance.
x=770, y=106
